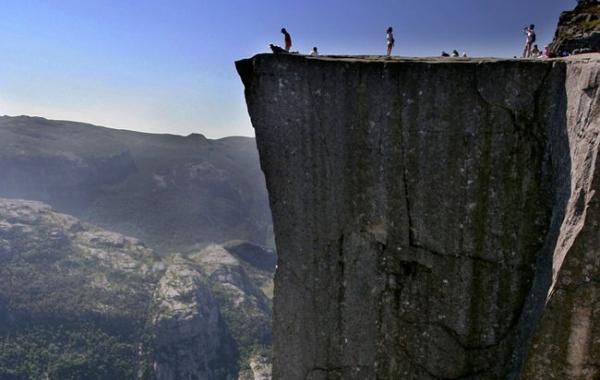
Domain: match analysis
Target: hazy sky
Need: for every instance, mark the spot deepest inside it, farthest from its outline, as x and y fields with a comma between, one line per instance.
x=167, y=66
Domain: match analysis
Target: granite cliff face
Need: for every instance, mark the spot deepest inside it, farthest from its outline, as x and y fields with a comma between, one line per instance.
x=434, y=219
x=190, y=337
x=245, y=307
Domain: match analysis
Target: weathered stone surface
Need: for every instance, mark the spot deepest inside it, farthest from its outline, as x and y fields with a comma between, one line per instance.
x=245, y=308
x=417, y=207
x=261, y=367
x=567, y=342
x=190, y=339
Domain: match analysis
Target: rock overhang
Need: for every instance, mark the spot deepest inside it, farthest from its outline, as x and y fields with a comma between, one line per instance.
x=449, y=174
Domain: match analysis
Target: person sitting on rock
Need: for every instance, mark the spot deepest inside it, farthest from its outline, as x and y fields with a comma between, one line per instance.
x=529, y=40
x=535, y=52
x=314, y=52
x=455, y=53
x=287, y=39
x=390, y=40
x=546, y=52
x=444, y=54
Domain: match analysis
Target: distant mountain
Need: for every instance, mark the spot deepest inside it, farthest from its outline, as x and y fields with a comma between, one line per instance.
x=80, y=302
x=173, y=192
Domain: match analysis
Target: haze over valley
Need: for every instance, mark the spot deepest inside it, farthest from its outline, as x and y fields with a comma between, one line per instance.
x=128, y=254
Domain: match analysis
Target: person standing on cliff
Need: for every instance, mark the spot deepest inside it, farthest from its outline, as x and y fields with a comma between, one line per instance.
x=390, y=41
x=287, y=39
x=529, y=40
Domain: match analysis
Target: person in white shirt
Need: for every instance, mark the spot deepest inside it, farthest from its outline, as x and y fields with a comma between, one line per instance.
x=390, y=41
x=314, y=52
x=530, y=39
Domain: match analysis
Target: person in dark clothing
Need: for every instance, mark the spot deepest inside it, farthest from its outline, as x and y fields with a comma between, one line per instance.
x=277, y=49
x=287, y=39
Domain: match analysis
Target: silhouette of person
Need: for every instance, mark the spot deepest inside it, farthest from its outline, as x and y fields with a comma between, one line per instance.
x=287, y=40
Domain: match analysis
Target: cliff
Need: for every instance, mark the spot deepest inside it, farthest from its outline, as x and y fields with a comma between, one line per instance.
x=434, y=219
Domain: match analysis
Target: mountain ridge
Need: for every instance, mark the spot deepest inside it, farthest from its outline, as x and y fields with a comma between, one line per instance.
x=171, y=191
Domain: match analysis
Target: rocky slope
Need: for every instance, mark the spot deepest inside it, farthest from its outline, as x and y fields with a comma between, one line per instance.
x=77, y=301
x=245, y=307
x=434, y=218
x=173, y=192
x=578, y=29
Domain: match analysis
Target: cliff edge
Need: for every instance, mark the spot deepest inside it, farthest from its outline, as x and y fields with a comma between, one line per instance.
x=434, y=219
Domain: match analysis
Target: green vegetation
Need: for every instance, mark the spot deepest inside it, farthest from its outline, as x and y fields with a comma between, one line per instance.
x=73, y=351
x=78, y=302
x=589, y=26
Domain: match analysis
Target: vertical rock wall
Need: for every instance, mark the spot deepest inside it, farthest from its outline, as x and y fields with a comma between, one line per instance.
x=417, y=205
x=567, y=342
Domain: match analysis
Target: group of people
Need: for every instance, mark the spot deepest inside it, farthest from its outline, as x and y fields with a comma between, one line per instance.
x=454, y=54
x=531, y=50
x=287, y=43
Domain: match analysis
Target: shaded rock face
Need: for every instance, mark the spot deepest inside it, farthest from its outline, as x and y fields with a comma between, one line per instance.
x=244, y=306
x=567, y=342
x=172, y=192
x=419, y=207
x=578, y=29
x=259, y=257
x=190, y=339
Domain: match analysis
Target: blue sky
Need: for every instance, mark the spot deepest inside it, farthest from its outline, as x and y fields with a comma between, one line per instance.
x=167, y=66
